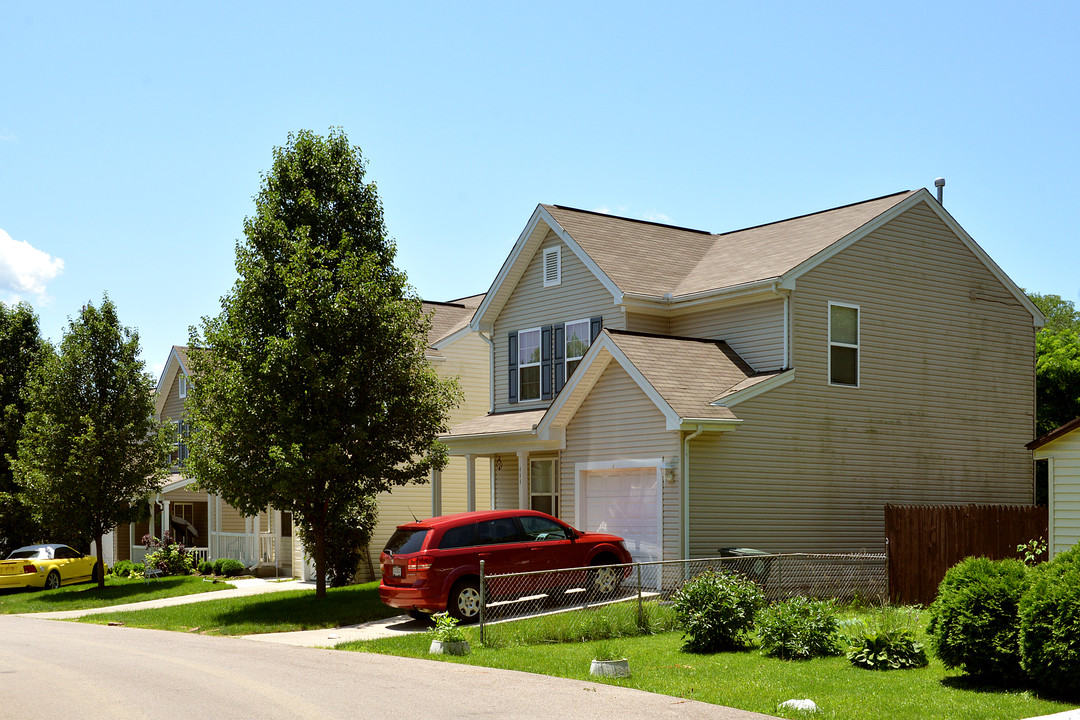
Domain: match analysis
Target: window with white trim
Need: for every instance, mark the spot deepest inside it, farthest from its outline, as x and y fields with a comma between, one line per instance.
x=552, y=266
x=843, y=344
x=543, y=486
x=529, y=364
x=182, y=380
x=577, y=344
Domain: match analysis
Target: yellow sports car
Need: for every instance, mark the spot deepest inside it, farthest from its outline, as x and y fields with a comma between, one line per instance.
x=46, y=566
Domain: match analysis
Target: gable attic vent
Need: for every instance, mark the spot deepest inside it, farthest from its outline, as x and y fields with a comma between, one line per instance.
x=552, y=266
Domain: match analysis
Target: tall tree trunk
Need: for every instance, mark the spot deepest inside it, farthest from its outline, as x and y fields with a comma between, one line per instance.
x=320, y=558
x=100, y=563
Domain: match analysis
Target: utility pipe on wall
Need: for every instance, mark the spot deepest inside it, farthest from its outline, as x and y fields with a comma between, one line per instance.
x=684, y=494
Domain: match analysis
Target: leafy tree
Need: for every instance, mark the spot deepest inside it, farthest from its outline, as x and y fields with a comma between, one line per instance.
x=1057, y=363
x=91, y=451
x=312, y=392
x=21, y=348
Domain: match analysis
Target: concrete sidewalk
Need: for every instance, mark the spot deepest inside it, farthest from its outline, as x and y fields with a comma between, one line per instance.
x=329, y=637
x=243, y=587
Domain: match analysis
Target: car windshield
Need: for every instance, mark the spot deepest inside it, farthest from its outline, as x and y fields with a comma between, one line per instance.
x=406, y=540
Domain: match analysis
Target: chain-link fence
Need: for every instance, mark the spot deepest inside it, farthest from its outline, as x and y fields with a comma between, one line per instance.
x=615, y=600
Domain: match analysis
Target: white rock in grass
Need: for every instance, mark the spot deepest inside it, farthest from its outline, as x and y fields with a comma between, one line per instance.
x=806, y=705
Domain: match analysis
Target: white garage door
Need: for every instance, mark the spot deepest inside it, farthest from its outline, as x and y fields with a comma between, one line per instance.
x=624, y=502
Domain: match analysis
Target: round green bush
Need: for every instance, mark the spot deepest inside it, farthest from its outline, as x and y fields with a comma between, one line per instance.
x=975, y=620
x=123, y=568
x=716, y=611
x=229, y=567
x=798, y=629
x=1050, y=625
x=206, y=567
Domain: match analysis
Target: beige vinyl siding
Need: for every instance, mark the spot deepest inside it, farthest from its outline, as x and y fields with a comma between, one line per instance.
x=580, y=295
x=173, y=409
x=755, y=331
x=944, y=407
x=506, y=482
x=653, y=324
x=231, y=519
x=618, y=422
x=1064, y=491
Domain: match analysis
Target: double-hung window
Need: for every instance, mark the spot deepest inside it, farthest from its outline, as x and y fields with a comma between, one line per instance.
x=577, y=344
x=843, y=344
x=529, y=364
x=543, y=486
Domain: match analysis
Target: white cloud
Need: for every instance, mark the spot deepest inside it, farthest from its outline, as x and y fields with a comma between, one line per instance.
x=624, y=211
x=7, y=137
x=24, y=270
x=657, y=217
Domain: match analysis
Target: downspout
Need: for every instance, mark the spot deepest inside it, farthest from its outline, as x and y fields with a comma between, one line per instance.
x=491, y=371
x=684, y=494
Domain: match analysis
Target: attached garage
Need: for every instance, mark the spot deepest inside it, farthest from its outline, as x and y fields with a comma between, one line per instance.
x=1060, y=450
x=623, y=498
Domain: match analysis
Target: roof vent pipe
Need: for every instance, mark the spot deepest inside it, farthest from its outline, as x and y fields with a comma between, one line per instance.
x=939, y=183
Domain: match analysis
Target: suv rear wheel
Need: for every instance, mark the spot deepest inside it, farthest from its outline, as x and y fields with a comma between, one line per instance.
x=464, y=600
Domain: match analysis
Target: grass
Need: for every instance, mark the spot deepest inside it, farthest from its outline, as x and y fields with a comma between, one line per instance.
x=118, y=591
x=283, y=611
x=743, y=680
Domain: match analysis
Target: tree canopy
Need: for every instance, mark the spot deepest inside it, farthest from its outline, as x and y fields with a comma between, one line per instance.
x=21, y=349
x=91, y=450
x=1057, y=363
x=311, y=391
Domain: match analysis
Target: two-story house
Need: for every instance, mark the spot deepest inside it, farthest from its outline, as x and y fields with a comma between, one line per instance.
x=267, y=543
x=772, y=387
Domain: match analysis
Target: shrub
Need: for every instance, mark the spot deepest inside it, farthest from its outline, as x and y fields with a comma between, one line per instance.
x=716, y=611
x=167, y=555
x=1050, y=624
x=885, y=640
x=346, y=540
x=974, y=622
x=798, y=629
x=123, y=568
x=206, y=567
x=229, y=567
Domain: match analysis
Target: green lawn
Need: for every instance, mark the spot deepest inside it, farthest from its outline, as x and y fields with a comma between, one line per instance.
x=282, y=611
x=118, y=591
x=749, y=681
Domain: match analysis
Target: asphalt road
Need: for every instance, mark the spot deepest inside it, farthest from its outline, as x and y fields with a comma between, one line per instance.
x=51, y=669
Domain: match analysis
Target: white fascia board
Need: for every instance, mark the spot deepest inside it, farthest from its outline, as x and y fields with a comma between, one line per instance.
x=787, y=280
x=583, y=256
x=756, y=291
x=710, y=424
x=605, y=345
x=435, y=359
x=574, y=392
x=454, y=337
x=1037, y=317
x=753, y=391
x=178, y=484
x=505, y=274
x=508, y=442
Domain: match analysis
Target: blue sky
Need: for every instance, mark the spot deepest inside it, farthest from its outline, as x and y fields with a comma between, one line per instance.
x=132, y=136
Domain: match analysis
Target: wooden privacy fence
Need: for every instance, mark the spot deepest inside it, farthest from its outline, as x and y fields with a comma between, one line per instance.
x=924, y=541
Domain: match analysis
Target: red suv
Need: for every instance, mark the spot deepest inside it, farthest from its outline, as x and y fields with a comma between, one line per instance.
x=434, y=565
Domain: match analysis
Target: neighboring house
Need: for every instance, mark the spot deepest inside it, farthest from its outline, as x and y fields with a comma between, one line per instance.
x=772, y=387
x=1057, y=454
x=214, y=529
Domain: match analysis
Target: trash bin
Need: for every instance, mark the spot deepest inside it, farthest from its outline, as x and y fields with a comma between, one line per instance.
x=748, y=562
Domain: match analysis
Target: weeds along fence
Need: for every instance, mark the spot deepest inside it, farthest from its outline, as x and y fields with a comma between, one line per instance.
x=619, y=600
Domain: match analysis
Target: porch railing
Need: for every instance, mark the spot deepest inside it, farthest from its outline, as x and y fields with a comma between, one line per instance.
x=239, y=546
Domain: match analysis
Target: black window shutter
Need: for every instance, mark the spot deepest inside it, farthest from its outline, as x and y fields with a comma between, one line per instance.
x=594, y=327
x=558, y=337
x=512, y=347
x=545, y=362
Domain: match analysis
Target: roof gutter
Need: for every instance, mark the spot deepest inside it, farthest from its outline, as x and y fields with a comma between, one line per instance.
x=667, y=303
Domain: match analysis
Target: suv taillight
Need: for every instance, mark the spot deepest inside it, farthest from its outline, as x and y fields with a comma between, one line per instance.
x=419, y=564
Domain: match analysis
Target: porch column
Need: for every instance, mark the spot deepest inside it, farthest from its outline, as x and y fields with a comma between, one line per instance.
x=523, y=479
x=470, y=482
x=166, y=516
x=436, y=492
x=153, y=507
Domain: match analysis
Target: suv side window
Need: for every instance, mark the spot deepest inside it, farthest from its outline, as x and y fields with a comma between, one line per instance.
x=499, y=530
x=538, y=529
x=458, y=537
